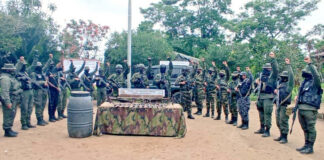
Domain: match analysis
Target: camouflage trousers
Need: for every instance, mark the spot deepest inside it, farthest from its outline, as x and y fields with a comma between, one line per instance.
x=101, y=95
x=307, y=120
x=265, y=107
x=210, y=101
x=222, y=103
x=186, y=101
x=40, y=100
x=282, y=119
x=233, y=107
x=244, y=107
x=63, y=97
x=10, y=114
x=199, y=97
x=26, y=106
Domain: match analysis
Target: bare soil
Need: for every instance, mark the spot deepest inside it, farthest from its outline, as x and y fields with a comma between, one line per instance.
x=205, y=139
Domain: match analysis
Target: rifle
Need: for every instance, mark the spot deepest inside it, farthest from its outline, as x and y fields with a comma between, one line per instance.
x=259, y=87
x=277, y=98
x=295, y=109
x=23, y=77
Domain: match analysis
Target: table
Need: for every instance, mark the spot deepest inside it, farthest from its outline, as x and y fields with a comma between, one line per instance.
x=168, y=121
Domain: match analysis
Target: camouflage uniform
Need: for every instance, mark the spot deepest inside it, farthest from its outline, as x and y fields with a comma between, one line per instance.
x=72, y=78
x=139, y=79
x=233, y=97
x=87, y=79
x=64, y=86
x=222, y=94
x=40, y=94
x=210, y=81
x=198, y=79
x=185, y=91
x=309, y=101
x=10, y=94
x=101, y=87
x=27, y=98
x=162, y=81
x=265, y=99
x=285, y=88
x=118, y=79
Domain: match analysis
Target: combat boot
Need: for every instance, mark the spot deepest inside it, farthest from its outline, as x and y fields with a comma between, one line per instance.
x=24, y=127
x=198, y=112
x=266, y=132
x=226, y=118
x=64, y=116
x=212, y=116
x=240, y=126
x=279, y=138
x=246, y=125
x=51, y=119
x=9, y=133
x=284, y=139
x=235, y=121
x=303, y=147
x=41, y=122
x=30, y=125
x=231, y=121
x=261, y=130
x=207, y=114
x=218, y=117
x=308, y=149
x=190, y=115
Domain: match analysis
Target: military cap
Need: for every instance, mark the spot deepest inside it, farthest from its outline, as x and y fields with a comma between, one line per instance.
x=141, y=65
x=211, y=69
x=284, y=74
x=199, y=67
x=235, y=73
x=8, y=66
x=87, y=68
x=222, y=72
x=38, y=64
x=119, y=66
x=243, y=74
x=267, y=66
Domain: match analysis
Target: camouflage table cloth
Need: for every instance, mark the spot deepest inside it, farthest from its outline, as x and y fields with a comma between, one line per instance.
x=166, y=121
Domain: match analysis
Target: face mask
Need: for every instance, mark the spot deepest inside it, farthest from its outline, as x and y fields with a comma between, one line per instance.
x=284, y=79
x=306, y=75
x=38, y=69
x=142, y=70
x=234, y=78
x=86, y=71
x=23, y=69
x=210, y=72
x=118, y=71
x=199, y=71
x=241, y=78
x=162, y=69
x=266, y=72
x=184, y=73
x=222, y=75
x=59, y=69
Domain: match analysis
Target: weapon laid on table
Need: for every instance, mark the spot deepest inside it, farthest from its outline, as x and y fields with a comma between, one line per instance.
x=295, y=109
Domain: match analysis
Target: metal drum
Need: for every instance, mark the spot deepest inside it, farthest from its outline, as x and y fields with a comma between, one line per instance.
x=80, y=115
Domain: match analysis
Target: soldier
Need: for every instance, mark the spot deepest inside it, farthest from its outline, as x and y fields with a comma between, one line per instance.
x=233, y=98
x=64, y=86
x=243, y=91
x=185, y=91
x=27, y=94
x=54, y=91
x=73, y=78
x=9, y=96
x=118, y=79
x=162, y=81
x=222, y=94
x=101, y=87
x=210, y=85
x=286, y=85
x=87, y=79
x=266, y=94
x=198, y=77
x=40, y=93
x=309, y=101
x=139, y=79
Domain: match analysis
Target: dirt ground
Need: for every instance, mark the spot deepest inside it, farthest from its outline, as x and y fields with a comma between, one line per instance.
x=205, y=139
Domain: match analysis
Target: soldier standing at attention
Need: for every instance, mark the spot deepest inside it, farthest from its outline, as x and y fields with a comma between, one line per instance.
x=243, y=91
x=286, y=85
x=40, y=94
x=87, y=79
x=140, y=79
x=27, y=97
x=185, y=91
x=268, y=80
x=118, y=79
x=65, y=86
x=9, y=96
x=54, y=91
x=73, y=78
x=233, y=98
x=222, y=93
x=309, y=101
x=101, y=83
x=162, y=81
x=198, y=78
x=210, y=85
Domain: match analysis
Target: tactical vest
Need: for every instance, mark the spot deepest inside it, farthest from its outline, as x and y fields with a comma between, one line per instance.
x=284, y=95
x=39, y=77
x=25, y=84
x=99, y=83
x=267, y=86
x=75, y=84
x=310, y=95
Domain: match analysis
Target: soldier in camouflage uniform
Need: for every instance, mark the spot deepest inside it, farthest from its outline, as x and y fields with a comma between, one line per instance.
x=185, y=91
x=265, y=100
x=210, y=80
x=222, y=92
x=64, y=86
x=286, y=85
x=40, y=94
x=162, y=81
x=140, y=79
x=233, y=98
x=9, y=96
x=199, y=93
x=118, y=79
x=101, y=83
x=87, y=79
x=73, y=78
x=309, y=101
x=27, y=95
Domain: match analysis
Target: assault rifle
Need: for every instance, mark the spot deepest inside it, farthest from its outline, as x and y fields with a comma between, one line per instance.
x=295, y=109
x=23, y=77
x=277, y=98
x=259, y=87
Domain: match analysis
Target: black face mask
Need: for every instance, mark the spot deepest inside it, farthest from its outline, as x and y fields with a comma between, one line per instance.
x=118, y=71
x=307, y=76
x=284, y=79
x=101, y=73
x=184, y=73
x=38, y=70
x=199, y=71
x=141, y=70
x=241, y=78
x=222, y=75
x=266, y=72
x=162, y=69
x=59, y=69
x=23, y=68
x=86, y=72
x=234, y=78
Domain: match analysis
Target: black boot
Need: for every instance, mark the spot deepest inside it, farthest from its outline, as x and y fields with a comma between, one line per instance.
x=52, y=119
x=212, y=116
x=303, y=147
x=231, y=121
x=207, y=114
x=279, y=138
x=29, y=125
x=235, y=121
x=9, y=133
x=246, y=125
x=284, y=139
x=190, y=115
x=24, y=127
x=198, y=112
x=308, y=149
x=240, y=126
x=64, y=116
x=41, y=122
x=59, y=113
x=226, y=118
x=266, y=132
x=261, y=130
x=218, y=117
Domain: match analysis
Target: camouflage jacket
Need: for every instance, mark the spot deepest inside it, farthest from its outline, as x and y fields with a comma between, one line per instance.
x=184, y=87
x=140, y=80
x=119, y=79
x=162, y=81
x=10, y=87
x=88, y=80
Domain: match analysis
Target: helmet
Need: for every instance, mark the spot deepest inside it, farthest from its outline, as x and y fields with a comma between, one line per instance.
x=119, y=66
x=284, y=74
x=38, y=64
x=235, y=73
x=141, y=66
x=211, y=69
x=267, y=66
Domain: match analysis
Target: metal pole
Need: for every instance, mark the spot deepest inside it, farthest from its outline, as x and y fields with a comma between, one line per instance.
x=129, y=43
